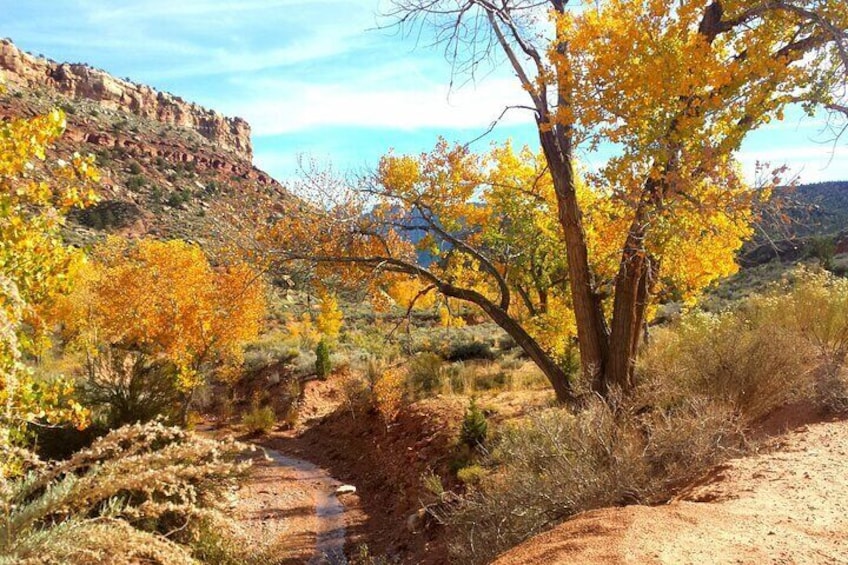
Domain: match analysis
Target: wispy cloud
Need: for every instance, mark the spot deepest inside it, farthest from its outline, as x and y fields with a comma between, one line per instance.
x=285, y=107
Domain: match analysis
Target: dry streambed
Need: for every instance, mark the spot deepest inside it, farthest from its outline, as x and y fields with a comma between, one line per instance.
x=329, y=512
x=289, y=509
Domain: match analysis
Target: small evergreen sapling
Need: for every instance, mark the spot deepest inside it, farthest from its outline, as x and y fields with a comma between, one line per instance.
x=323, y=366
x=474, y=426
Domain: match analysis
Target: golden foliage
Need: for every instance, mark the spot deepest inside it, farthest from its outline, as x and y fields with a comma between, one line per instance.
x=329, y=319
x=165, y=300
x=502, y=206
x=389, y=392
x=34, y=199
x=303, y=329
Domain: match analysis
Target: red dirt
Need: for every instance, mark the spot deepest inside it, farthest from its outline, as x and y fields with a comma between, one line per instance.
x=789, y=505
x=386, y=464
x=277, y=512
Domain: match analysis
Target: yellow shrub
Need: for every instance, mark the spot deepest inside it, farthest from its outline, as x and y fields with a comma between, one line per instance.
x=303, y=330
x=329, y=320
x=389, y=392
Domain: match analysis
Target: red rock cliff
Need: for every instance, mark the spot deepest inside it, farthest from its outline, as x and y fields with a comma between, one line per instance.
x=82, y=81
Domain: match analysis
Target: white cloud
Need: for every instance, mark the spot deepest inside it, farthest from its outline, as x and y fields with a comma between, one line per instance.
x=284, y=107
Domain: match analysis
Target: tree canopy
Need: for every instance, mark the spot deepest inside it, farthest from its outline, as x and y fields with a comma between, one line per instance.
x=491, y=238
x=163, y=300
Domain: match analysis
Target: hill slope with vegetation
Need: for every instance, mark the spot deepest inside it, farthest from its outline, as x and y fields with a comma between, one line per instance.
x=170, y=169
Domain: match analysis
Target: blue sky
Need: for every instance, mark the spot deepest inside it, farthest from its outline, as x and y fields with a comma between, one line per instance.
x=315, y=78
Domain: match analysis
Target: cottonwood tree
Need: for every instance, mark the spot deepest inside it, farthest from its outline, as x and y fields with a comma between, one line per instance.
x=152, y=317
x=36, y=193
x=674, y=88
x=485, y=232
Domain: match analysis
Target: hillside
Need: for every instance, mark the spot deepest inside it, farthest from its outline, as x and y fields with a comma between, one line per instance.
x=826, y=208
x=170, y=168
x=806, y=212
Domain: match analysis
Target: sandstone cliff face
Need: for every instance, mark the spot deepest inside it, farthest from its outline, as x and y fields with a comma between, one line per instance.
x=82, y=81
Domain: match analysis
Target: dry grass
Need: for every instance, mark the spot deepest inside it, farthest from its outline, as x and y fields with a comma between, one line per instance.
x=555, y=464
x=754, y=367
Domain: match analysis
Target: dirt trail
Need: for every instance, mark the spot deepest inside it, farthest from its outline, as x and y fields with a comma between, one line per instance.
x=787, y=506
x=289, y=509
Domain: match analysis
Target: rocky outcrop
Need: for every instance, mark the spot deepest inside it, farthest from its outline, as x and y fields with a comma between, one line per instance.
x=82, y=81
x=170, y=150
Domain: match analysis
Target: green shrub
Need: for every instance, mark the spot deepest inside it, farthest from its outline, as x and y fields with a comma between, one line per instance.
x=123, y=387
x=323, y=364
x=468, y=351
x=432, y=483
x=506, y=343
x=136, y=182
x=178, y=198
x=425, y=373
x=212, y=543
x=491, y=380
x=823, y=248
x=474, y=426
x=135, y=168
x=270, y=349
x=511, y=363
x=259, y=420
x=472, y=475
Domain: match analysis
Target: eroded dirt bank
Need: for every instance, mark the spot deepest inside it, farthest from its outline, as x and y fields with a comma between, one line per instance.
x=789, y=505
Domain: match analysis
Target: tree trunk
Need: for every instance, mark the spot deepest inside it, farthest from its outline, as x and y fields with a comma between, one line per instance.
x=632, y=293
x=628, y=313
x=185, y=404
x=558, y=378
x=592, y=332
